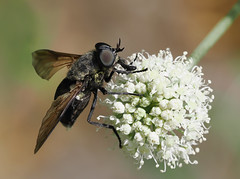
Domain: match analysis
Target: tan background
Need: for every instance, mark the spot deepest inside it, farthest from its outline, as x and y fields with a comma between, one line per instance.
x=75, y=26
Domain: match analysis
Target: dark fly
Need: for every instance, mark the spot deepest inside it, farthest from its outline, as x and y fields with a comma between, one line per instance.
x=86, y=75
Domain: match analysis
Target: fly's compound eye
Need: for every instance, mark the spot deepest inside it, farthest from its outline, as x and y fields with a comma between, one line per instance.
x=107, y=57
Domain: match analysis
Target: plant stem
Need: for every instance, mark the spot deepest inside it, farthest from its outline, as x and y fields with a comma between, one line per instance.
x=216, y=33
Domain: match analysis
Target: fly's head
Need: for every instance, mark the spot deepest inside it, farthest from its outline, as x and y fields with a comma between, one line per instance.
x=106, y=54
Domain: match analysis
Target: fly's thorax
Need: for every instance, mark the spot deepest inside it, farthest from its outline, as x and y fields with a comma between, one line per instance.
x=82, y=67
x=99, y=77
x=96, y=80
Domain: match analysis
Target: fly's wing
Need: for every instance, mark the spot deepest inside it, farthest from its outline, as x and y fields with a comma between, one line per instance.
x=47, y=62
x=55, y=113
x=77, y=105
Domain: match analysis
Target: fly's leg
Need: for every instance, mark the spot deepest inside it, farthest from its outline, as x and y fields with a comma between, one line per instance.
x=130, y=72
x=104, y=91
x=101, y=124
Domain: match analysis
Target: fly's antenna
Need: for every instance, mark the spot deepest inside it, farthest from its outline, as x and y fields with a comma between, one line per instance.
x=118, y=49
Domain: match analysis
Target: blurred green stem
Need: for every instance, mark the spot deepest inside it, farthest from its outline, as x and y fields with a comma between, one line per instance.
x=216, y=33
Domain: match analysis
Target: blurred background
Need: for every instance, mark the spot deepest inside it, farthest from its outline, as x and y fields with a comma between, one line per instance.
x=74, y=26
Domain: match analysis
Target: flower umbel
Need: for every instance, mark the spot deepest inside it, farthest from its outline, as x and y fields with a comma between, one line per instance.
x=168, y=122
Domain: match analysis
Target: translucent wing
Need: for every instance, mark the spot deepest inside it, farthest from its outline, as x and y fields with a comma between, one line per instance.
x=54, y=114
x=47, y=62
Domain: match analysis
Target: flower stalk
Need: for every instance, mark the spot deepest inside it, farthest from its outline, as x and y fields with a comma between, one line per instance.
x=215, y=34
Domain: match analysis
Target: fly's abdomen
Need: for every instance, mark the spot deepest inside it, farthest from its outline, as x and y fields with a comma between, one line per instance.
x=75, y=109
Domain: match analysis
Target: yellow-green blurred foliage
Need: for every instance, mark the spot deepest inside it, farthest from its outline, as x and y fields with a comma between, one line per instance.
x=74, y=26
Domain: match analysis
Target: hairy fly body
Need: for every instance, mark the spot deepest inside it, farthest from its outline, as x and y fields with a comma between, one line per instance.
x=86, y=75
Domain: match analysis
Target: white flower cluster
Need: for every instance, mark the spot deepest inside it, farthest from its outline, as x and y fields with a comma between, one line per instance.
x=168, y=121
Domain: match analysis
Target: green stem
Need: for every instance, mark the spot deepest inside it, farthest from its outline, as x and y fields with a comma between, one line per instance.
x=216, y=33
